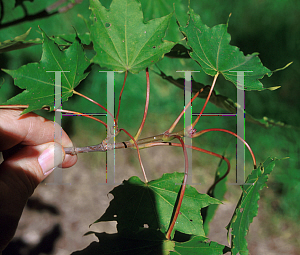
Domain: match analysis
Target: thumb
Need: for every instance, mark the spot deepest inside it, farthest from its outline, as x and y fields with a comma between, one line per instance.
x=19, y=176
x=34, y=162
x=52, y=156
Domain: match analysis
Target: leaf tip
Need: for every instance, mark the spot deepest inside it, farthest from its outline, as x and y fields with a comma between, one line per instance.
x=274, y=88
x=282, y=68
x=228, y=19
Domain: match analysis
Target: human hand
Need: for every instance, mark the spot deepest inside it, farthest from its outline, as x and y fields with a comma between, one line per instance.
x=26, y=143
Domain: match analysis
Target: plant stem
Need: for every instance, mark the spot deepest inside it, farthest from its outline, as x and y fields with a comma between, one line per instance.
x=180, y=115
x=207, y=99
x=69, y=6
x=146, y=106
x=59, y=110
x=138, y=151
x=53, y=6
x=120, y=145
x=216, y=155
x=117, y=116
x=186, y=169
x=198, y=149
x=28, y=17
x=232, y=133
x=93, y=101
x=82, y=114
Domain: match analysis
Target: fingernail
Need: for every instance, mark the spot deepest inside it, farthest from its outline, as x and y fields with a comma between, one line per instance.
x=50, y=158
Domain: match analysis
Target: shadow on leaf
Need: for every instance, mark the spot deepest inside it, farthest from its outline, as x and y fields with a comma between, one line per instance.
x=145, y=242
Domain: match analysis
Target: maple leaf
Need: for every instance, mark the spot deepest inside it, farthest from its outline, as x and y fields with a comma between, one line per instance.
x=211, y=49
x=137, y=203
x=38, y=79
x=122, y=40
x=247, y=207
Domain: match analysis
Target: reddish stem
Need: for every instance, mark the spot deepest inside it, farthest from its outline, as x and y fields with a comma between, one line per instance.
x=117, y=116
x=138, y=151
x=181, y=114
x=82, y=114
x=186, y=169
x=93, y=101
x=206, y=101
x=209, y=192
x=198, y=149
x=232, y=133
x=15, y=106
x=146, y=105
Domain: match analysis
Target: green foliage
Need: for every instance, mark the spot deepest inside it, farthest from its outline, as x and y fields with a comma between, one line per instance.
x=145, y=242
x=123, y=41
x=38, y=78
x=149, y=242
x=247, y=207
x=179, y=8
x=17, y=42
x=137, y=203
x=21, y=2
x=121, y=38
x=224, y=102
x=212, y=51
x=197, y=246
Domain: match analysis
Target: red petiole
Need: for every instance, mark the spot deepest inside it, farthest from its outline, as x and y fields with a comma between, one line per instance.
x=138, y=151
x=206, y=101
x=198, y=149
x=182, y=190
x=229, y=132
x=120, y=96
x=82, y=114
x=181, y=114
x=146, y=106
x=93, y=101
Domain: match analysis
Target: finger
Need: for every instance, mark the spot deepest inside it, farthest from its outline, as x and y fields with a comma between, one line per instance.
x=36, y=162
x=29, y=129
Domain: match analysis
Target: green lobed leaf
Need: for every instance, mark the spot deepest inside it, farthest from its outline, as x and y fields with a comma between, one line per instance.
x=122, y=40
x=137, y=203
x=211, y=49
x=247, y=207
x=39, y=84
x=197, y=246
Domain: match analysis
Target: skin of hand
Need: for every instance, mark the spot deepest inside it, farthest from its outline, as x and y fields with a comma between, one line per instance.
x=27, y=145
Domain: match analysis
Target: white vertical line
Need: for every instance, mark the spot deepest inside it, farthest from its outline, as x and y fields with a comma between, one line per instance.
x=240, y=129
x=57, y=175
x=110, y=154
x=188, y=121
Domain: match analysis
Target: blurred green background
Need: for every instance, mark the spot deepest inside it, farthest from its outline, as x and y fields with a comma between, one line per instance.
x=269, y=27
